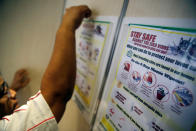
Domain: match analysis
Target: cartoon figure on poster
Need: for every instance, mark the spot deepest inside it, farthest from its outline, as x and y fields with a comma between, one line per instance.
x=134, y=80
x=124, y=72
x=135, y=77
x=161, y=93
x=127, y=66
x=182, y=96
x=87, y=52
x=85, y=89
x=82, y=84
x=149, y=79
x=85, y=49
x=95, y=54
x=99, y=30
x=185, y=48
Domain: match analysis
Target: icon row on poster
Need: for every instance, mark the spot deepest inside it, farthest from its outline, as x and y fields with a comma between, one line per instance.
x=180, y=95
x=149, y=78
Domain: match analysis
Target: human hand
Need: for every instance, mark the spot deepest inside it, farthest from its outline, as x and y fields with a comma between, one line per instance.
x=74, y=16
x=21, y=79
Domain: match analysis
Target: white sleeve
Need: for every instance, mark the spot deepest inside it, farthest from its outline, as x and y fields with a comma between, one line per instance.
x=34, y=116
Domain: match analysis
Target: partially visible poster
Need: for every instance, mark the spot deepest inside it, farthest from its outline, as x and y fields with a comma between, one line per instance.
x=89, y=51
x=155, y=83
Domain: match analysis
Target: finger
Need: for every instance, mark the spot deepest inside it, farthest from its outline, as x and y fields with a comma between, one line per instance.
x=26, y=82
x=21, y=71
x=85, y=10
x=24, y=74
x=24, y=77
x=12, y=93
x=87, y=14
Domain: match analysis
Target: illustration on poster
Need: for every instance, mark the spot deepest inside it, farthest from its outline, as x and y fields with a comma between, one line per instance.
x=182, y=96
x=127, y=66
x=96, y=53
x=185, y=48
x=82, y=84
x=87, y=51
x=135, y=78
x=92, y=28
x=98, y=30
x=149, y=79
x=161, y=93
x=85, y=48
x=125, y=70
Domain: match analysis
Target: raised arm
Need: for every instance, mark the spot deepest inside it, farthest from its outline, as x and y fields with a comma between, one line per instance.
x=59, y=78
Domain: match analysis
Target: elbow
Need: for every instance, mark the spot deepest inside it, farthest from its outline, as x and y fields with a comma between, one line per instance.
x=58, y=89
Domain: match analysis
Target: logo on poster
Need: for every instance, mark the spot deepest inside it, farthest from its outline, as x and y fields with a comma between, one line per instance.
x=129, y=53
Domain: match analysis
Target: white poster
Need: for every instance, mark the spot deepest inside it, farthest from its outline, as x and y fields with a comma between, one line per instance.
x=89, y=51
x=155, y=84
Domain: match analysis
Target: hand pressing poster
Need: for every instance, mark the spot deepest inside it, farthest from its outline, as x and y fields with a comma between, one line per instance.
x=155, y=84
x=89, y=51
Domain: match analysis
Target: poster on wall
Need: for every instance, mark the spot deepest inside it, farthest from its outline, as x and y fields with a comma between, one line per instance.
x=89, y=51
x=155, y=83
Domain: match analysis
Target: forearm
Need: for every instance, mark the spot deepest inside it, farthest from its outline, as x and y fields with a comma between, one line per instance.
x=59, y=76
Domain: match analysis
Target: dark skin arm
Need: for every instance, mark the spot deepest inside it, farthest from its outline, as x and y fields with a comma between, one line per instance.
x=59, y=78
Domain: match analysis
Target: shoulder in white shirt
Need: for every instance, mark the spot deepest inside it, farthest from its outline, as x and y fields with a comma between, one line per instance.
x=35, y=115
